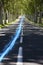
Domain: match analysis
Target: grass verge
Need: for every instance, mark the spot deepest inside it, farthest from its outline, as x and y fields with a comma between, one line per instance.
x=33, y=23
x=2, y=26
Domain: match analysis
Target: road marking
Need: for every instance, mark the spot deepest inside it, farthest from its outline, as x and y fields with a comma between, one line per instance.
x=20, y=56
x=21, y=39
x=20, y=53
x=19, y=63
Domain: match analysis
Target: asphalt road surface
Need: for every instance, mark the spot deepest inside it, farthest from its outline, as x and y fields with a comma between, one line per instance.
x=28, y=49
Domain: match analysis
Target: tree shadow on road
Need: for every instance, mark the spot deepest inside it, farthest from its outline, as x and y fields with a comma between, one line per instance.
x=33, y=48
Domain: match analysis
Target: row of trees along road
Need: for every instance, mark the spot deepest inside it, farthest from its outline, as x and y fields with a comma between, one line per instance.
x=34, y=10
x=11, y=9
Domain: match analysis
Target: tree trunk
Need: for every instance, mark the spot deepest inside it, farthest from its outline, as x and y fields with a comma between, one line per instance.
x=35, y=17
x=6, y=16
x=1, y=14
x=40, y=13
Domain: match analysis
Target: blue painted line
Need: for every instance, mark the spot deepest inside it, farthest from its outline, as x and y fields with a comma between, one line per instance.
x=12, y=43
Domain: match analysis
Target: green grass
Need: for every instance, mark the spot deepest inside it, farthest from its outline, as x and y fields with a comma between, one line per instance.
x=33, y=23
x=2, y=26
x=41, y=25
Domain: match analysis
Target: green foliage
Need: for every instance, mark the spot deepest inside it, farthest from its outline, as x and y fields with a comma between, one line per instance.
x=22, y=6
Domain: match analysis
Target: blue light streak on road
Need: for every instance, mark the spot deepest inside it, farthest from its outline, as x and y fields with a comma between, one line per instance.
x=12, y=43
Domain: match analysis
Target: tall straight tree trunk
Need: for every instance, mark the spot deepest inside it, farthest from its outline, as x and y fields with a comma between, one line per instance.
x=35, y=16
x=1, y=14
x=6, y=16
x=40, y=13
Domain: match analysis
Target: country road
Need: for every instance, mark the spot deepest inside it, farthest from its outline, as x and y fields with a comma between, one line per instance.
x=28, y=49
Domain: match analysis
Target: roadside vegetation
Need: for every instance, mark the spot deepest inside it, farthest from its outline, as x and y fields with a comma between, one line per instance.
x=11, y=9
x=34, y=11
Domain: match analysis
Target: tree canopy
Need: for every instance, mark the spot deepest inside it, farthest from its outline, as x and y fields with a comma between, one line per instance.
x=17, y=7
